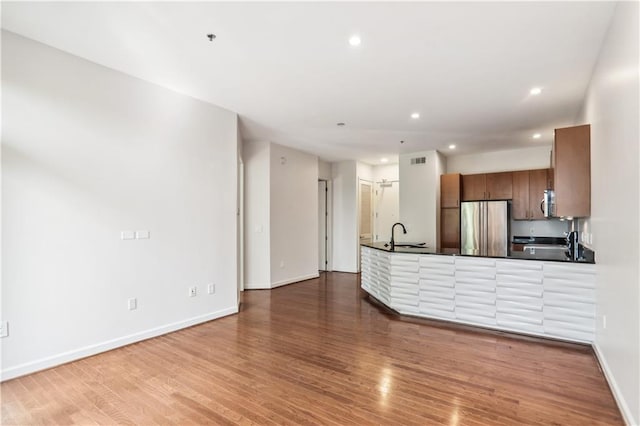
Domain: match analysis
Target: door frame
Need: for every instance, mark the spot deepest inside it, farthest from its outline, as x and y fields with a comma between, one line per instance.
x=329, y=225
x=359, y=207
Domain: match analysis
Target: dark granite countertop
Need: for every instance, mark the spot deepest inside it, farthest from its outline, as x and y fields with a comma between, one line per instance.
x=546, y=255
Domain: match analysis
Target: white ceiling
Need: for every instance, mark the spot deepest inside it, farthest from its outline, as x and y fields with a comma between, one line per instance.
x=289, y=71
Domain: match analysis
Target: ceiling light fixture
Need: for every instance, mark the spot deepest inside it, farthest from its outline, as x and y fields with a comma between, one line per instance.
x=340, y=124
x=384, y=160
x=415, y=115
x=452, y=146
x=537, y=136
x=355, y=40
x=211, y=37
x=536, y=91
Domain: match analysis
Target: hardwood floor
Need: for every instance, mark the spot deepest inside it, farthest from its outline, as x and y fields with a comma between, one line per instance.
x=319, y=352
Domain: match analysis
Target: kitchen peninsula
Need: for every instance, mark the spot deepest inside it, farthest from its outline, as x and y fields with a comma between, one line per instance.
x=537, y=295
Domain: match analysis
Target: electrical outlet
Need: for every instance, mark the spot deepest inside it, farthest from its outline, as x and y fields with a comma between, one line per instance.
x=143, y=235
x=282, y=263
x=211, y=288
x=4, y=328
x=132, y=304
x=604, y=322
x=193, y=291
x=532, y=231
x=127, y=235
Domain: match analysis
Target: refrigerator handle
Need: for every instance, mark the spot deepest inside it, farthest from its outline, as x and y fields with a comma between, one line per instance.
x=483, y=229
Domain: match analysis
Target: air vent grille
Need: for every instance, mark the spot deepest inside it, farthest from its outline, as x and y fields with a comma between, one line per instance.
x=418, y=160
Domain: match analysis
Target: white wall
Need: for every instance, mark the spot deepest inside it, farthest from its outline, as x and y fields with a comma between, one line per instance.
x=324, y=170
x=500, y=161
x=389, y=172
x=257, y=229
x=294, y=215
x=419, y=193
x=88, y=152
x=611, y=107
x=345, y=216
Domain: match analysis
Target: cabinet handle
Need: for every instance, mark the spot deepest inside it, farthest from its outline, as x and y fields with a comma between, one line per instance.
x=489, y=195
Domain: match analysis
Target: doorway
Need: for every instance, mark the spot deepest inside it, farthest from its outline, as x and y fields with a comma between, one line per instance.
x=366, y=211
x=387, y=209
x=323, y=224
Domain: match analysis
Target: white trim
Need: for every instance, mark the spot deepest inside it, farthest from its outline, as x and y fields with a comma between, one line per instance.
x=257, y=286
x=613, y=385
x=294, y=280
x=63, y=358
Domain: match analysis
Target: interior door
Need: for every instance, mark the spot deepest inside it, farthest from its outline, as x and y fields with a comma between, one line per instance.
x=366, y=211
x=322, y=225
x=387, y=209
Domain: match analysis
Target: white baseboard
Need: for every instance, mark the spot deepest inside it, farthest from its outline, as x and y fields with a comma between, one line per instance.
x=63, y=358
x=622, y=405
x=295, y=280
x=257, y=286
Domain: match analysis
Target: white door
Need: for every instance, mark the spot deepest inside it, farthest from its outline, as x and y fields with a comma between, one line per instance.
x=366, y=211
x=387, y=209
x=322, y=225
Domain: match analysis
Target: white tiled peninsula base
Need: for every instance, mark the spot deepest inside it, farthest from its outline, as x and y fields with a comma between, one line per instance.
x=550, y=299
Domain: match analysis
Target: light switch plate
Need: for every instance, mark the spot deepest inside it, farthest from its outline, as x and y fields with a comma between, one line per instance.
x=132, y=304
x=4, y=328
x=143, y=235
x=127, y=235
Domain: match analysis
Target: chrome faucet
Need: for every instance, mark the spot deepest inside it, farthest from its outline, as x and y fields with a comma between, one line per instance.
x=392, y=242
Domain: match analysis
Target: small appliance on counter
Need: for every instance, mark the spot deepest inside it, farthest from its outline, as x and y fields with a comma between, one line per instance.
x=573, y=248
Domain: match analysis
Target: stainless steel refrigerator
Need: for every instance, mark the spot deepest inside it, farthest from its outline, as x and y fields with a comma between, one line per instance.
x=484, y=228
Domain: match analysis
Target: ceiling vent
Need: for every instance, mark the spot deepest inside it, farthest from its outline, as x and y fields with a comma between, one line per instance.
x=418, y=160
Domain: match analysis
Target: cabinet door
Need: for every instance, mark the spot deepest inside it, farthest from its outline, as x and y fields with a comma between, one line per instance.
x=450, y=190
x=572, y=170
x=499, y=186
x=520, y=205
x=537, y=184
x=474, y=187
x=450, y=228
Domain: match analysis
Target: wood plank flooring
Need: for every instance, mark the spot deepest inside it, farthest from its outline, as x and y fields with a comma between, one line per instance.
x=320, y=352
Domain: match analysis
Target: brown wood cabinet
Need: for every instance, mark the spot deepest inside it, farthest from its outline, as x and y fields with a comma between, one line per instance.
x=499, y=186
x=474, y=187
x=450, y=228
x=572, y=171
x=487, y=186
x=450, y=190
x=528, y=190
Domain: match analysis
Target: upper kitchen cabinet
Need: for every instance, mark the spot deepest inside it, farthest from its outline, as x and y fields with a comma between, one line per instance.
x=489, y=186
x=474, y=187
x=572, y=171
x=450, y=190
x=528, y=190
x=499, y=186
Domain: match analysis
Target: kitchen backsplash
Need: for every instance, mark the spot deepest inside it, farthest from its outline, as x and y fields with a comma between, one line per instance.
x=540, y=228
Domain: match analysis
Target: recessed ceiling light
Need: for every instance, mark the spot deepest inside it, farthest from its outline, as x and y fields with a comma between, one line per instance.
x=384, y=160
x=452, y=146
x=415, y=115
x=355, y=40
x=340, y=124
x=536, y=91
x=537, y=135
